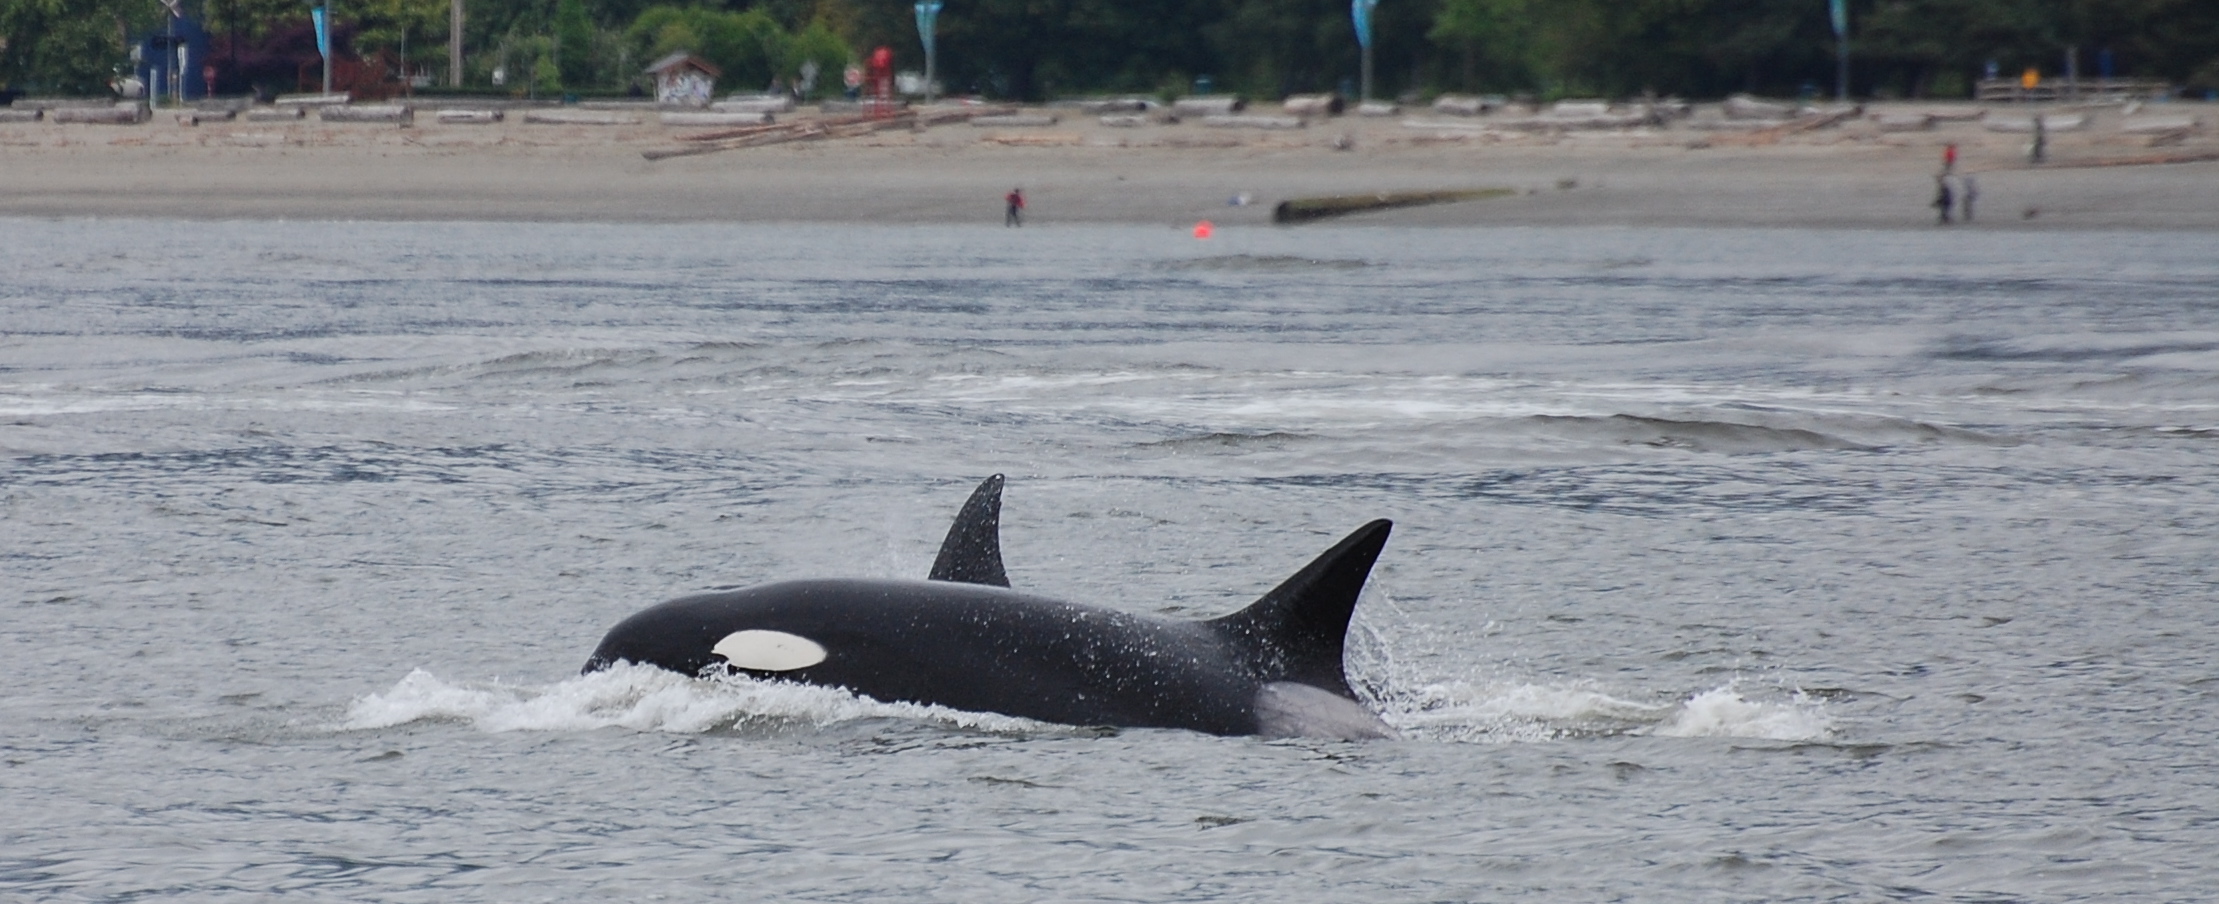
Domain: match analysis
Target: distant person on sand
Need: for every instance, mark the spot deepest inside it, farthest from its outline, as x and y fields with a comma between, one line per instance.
x=1943, y=201
x=1949, y=158
x=1016, y=201
x=1970, y=189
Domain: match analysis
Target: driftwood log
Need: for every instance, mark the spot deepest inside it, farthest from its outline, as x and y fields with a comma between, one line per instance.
x=1209, y=105
x=470, y=117
x=579, y=118
x=1303, y=210
x=117, y=115
x=700, y=119
x=314, y=100
x=393, y=114
x=1013, y=119
x=1313, y=105
x=1254, y=122
x=1462, y=105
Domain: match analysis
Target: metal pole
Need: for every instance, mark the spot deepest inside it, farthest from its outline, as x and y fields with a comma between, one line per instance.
x=1367, y=75
x=1841, y=69
x=928, y=19
x=327, y=46
x=1361, y=12
x=1837, y=13
x=454, y=44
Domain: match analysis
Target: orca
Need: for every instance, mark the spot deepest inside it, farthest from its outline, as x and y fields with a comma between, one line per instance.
x=963, y=639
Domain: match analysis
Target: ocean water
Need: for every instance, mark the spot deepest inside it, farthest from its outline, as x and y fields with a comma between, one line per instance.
x=1729, y=566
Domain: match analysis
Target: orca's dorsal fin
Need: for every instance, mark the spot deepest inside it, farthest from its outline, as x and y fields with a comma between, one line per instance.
x=972, y=553
x=1297, y=631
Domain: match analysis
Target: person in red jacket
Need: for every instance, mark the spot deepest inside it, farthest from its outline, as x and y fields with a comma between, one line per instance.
x=1016, y=201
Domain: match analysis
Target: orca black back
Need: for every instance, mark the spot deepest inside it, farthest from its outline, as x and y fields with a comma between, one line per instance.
x=964, y=640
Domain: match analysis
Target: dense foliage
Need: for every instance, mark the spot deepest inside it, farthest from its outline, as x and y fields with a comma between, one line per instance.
x=1039, y=48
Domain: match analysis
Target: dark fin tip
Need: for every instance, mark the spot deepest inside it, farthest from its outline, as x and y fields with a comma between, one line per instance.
x=1297, y=631
x=972, y=553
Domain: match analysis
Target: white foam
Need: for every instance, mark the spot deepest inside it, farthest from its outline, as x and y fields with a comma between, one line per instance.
x=640, y=698
x=1503, y=713
x=1724, y=713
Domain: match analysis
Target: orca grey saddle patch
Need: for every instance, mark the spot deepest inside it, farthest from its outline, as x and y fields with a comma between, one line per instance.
x=1285, y=709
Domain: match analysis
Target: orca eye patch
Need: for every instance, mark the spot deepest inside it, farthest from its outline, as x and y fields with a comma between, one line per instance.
x=768, y=651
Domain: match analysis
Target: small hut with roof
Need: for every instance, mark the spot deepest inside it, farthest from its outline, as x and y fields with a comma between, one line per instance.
x=684, y=80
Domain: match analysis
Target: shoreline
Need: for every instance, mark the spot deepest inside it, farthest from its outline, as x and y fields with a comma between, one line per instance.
x=1855, y=176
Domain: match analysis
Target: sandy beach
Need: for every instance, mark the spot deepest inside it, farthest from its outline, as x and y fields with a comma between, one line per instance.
x=1851, y=175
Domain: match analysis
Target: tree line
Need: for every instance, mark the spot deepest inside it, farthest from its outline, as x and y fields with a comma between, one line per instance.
x=1034, y=49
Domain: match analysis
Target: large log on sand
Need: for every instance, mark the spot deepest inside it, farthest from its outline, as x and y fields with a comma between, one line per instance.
x=118, y=115
x=1461, y=105
x=1313, y=105
x=1254, y=122
x=2158, y=125
x=2050, y=123
x=1299, y=210
x=313, y=100
x=277, y=114
x=1209, y=105
x=397, y=114
x=713, y=118
x=1013, y=119
x=760, y=103
x=30, y=114
x=579, y=118
x=470, y=117
x=1742, y=106
x=1903, y=122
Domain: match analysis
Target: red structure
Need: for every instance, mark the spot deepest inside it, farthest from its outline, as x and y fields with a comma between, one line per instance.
x=882, y=83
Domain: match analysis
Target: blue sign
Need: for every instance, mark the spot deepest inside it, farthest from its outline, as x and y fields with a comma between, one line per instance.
x=1361, y=10
x=323, y=32
x=1840, y=11
x=928, y=13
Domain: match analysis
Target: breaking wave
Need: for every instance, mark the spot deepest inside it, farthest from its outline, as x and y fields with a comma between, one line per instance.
x=643, y=698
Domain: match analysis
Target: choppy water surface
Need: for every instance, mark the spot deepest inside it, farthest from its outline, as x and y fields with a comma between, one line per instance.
x=1730, y=566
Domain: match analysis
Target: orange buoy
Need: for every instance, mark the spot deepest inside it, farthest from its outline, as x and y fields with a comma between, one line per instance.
x=1203, y=229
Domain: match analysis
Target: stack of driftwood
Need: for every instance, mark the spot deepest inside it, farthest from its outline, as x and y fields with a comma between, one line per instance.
x=812, y=130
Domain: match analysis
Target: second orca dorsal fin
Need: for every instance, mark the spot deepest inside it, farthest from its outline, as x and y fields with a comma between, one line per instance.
x=972, y=553
x=1297, y=631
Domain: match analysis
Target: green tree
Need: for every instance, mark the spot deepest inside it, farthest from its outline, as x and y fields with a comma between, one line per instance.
x=69, y=46
x=415, y=30
x=574, y=43
x=749, y=46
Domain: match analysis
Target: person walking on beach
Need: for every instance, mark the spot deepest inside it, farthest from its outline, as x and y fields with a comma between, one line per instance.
x=1016, y=214
x=1949, y=158
x=1970, y=189
x=1943, y=201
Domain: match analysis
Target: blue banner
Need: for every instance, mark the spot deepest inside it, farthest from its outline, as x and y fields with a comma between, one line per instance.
x=323, y=32
x=1361, y=11
x=1840, y=11
x=928, y=13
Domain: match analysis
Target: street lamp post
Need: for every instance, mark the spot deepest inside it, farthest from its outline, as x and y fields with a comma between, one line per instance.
x=928, y=16
x=1361, y=11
